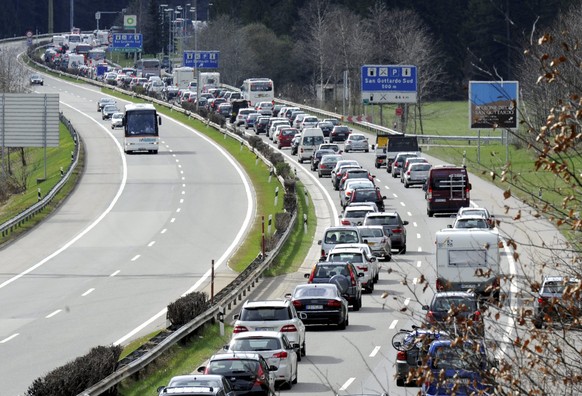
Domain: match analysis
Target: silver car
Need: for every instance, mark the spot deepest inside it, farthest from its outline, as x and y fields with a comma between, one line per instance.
x=417, y=173
x=275, y=347
x=356, y=141
x=379, y=242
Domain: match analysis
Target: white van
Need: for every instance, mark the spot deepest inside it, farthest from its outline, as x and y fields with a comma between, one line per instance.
x=467, y=260
x=311, y=138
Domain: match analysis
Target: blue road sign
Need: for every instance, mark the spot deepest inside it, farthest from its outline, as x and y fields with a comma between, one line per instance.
x=493, y=104
x=201, y=59
x=389, y=84
x=127, y=42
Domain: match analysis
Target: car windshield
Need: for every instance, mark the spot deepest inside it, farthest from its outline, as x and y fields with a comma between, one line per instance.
x=371, y=232
x=232, y=366
x=304, y=292
x=346, y=257
x=458, y=358
x=357, y=137
x=255, y=344
x=471, y=223
x=382, y=220
x=264, y=314
x=556, y=287
x=196, y=382
x=329, y=270
x=444, y=303
x=365, y=195
x=420, y=167
x=356, y=214
x=343, y=236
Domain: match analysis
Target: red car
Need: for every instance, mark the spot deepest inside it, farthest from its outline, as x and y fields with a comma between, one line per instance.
x=285, y=137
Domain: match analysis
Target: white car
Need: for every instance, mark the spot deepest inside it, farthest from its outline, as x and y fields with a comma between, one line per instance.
x=116, y=120
x=356, y=141
x=354, y=215
x=478, y=212
x=272, y=315
x=349, y=186
x=275, y=347
x=360, y=255
x=308, y=122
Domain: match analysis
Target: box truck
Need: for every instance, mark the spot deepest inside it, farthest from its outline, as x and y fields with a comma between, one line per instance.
x=468, y=260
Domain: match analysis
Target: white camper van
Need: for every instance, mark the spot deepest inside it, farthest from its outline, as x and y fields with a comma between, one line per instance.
x=311, y=138
x=467, y=259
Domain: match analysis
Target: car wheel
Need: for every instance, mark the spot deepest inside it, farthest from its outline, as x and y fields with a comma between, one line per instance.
x=367, y=150
x=370, y=287
x=388, y=257
x=394, y=175
x=294, y=381
x=377, y=278
x=342, y=325
x=347, y=150
x=399, y=382
x=402, y=250
x=358, y=304
x=303, y=349
x=319, y=175
x=300, y=160
x=538, y=323
x=430, y=213
x=406, y=185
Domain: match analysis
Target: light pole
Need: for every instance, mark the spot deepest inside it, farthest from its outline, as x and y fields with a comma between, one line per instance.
x=194, y=10
x=161, y=14
x=170, y=12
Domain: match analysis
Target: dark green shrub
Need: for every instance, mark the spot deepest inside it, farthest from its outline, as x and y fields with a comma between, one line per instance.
x=202, y=111
x=217, y=119
x=186, y=308
x=76, y=376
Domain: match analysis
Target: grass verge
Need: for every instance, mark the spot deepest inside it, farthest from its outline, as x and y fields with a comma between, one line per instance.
x=182, y=358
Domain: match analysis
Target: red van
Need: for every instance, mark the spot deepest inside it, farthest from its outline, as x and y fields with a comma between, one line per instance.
x=447, y=189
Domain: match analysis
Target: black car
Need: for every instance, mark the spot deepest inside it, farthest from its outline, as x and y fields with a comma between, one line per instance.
x=453, y=311
x=36, y=79
x=317, y=157
x=551, y=306
x=105, y=101
x=368, y=195
x=325, y=127
x=344, y=275
x=339, y=133
x=261, y=125
x=320, y=303
x=197, y=385
x=248, y=373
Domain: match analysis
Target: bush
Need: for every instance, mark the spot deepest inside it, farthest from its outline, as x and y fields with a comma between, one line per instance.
x=186, y=308
x=217, y=119
x=202, y=111
x=76, y=376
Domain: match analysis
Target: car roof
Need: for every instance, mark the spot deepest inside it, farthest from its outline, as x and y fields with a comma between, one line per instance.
x=383, y=214
x=358, y=207
x=556, y=278
x=356, y=247
x=257, y=334
x=265, y=303
x=454, y=294
x=235, y=355
x=341, y=228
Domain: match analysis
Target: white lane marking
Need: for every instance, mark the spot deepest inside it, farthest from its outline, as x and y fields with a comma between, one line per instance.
x=417, y=236
x=409, y=214
x=135, y=257
x=183, y=192
x=172, y=219
x=164, y=231
x=414, y=281
x=395, y=196
x=97, y=220
x=53, y=314
x=375, y=351
x=249, y=216
x=387, y=188
x=177, y=160
x=183, y=178
x=414, y=224
x=181, y=172
x=152, y=243
x=115, y=273
x=178, y=210
x=179, y=166
x=347, y=383
x=9, y=338
x=181, y=200
x=418, y=263
x=419, y=249
x=184, y=185
x=407, y=301
x=91, y=290
x=402, y=204
x=393, y=324
x=173, y=155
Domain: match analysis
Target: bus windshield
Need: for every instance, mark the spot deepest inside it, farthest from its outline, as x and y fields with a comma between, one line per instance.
x=262, y=86
x=141, y=123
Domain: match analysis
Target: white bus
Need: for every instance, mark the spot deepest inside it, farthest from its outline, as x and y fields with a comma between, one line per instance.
x=256, y=90
x=140, y=125
x=148, y=67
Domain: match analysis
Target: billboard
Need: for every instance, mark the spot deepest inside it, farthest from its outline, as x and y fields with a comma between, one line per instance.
x=493, y=104
x=29, y=120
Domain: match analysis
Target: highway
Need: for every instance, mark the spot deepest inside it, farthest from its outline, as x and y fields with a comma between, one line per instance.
x=361, y=358
x=137, y=233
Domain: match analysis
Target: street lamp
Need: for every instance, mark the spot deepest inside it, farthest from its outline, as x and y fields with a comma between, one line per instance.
x=170, y=11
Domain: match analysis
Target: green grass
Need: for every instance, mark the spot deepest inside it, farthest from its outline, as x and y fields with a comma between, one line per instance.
x=293, y=253
x=57, y=157
x=182, y=358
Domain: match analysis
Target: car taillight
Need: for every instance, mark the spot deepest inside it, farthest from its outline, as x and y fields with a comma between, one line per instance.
x=281, y=355
x=362, y=268
x=542, y=300
x=239, y=329
x=353, y=278
x=346, y=222
x=430, y=317
x=467, y=193
x=429, y=193
x=297, y=304
x=323, y=257
x=396, y=230
x=477, y=315
x=260, y=376
x=408, y=173
x=288, y=329
x=334, y=303
x=401, y=355
x=348, y=193
x=322, y=166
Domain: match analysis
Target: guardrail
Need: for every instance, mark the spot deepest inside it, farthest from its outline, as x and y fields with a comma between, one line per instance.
x=8, y=226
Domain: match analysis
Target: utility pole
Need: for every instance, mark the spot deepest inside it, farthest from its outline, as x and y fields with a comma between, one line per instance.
x=51, y=17
x=72, y=14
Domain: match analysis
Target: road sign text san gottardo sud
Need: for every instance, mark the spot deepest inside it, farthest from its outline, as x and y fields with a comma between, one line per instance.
x=389, y=84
